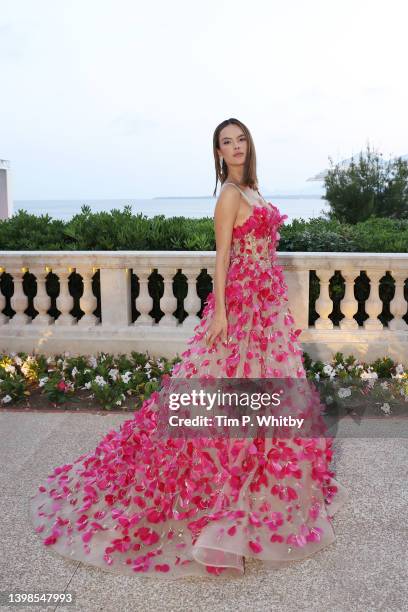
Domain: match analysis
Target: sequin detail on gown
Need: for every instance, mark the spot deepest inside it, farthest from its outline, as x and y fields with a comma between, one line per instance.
x=139, y=504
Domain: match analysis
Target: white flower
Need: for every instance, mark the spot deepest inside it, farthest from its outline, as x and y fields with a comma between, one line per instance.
x=49, y=359
x=317, y=376
x=329, y=399
x=328, y=369
x=18, y=361
x=340, y=366
x=126, y=377
x=368, y=375
x=344, y=392
x=88, y=385
x=74, y=371
x=397, y=376
x=386, y=408
x=100, y=381
x=42, y=381
x=384, y=384
x=119, y=402
x=113, y=373
x=6, y=399
x=399, y=369
x=93, y=362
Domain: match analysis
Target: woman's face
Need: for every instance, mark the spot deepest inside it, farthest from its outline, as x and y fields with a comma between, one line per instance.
x=233, y=145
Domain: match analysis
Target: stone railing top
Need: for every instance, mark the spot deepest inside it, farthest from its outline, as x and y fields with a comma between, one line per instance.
x=299, y=260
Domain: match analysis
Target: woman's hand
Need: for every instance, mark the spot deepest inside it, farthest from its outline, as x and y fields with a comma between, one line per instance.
x=218, y=326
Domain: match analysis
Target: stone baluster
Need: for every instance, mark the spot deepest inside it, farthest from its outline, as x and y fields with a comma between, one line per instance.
x=42, y=301
x=144, y=301
x=324, y=305
x=19, y=300
x=168, y=302
x=4, y=319
x=349, y=304
x=192, y=302
x=373, y=305
x=298, y=295
x=65, y=301
x=88, y=301
x=398, y=304
x=115, y=297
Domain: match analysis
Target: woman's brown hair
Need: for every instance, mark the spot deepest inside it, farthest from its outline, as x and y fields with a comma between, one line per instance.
x=249, y=176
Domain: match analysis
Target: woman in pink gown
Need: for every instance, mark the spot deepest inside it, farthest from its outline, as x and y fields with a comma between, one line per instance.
x=145, y=504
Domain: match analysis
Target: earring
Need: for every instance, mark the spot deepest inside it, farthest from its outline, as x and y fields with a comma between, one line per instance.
x=221, y=161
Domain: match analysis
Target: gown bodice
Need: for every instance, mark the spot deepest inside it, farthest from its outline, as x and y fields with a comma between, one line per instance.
x=255, y=241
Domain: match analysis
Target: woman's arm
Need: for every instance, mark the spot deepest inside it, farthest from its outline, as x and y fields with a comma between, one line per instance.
x=225, y=214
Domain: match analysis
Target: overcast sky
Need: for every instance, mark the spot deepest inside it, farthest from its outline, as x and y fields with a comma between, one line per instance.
x=120, y=98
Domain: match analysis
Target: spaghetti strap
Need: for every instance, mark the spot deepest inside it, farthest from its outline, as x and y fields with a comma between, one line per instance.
x=241, y=192
x=262, y=196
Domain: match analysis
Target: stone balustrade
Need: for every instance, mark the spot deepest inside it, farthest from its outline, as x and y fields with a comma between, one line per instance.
x=115, y=329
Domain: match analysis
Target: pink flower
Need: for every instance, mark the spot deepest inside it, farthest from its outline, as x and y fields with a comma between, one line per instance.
x=255, y=546
x=164, y=567
x=276, y=538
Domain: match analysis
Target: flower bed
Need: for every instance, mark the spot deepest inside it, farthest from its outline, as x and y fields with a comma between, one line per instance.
x=82, y=382
x=122, y=383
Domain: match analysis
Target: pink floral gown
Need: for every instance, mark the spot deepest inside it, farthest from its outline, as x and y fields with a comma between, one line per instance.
x=141, y=504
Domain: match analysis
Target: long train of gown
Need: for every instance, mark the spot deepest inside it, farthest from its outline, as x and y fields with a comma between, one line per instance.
x=149, y=505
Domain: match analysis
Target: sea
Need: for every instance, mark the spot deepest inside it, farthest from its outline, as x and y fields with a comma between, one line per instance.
x=296, y=206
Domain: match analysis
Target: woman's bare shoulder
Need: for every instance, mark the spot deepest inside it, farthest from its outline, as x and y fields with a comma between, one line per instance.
x=229, y=194
x=227, y=206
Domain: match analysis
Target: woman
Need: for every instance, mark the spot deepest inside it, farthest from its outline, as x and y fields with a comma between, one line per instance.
x=154, y=505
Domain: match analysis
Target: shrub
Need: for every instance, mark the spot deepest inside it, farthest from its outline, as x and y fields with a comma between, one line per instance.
x=370, y=187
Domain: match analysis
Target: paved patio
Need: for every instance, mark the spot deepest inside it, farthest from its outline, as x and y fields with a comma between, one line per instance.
x=364, y=569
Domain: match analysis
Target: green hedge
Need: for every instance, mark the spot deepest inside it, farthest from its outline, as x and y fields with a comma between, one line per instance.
x=121, y=230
